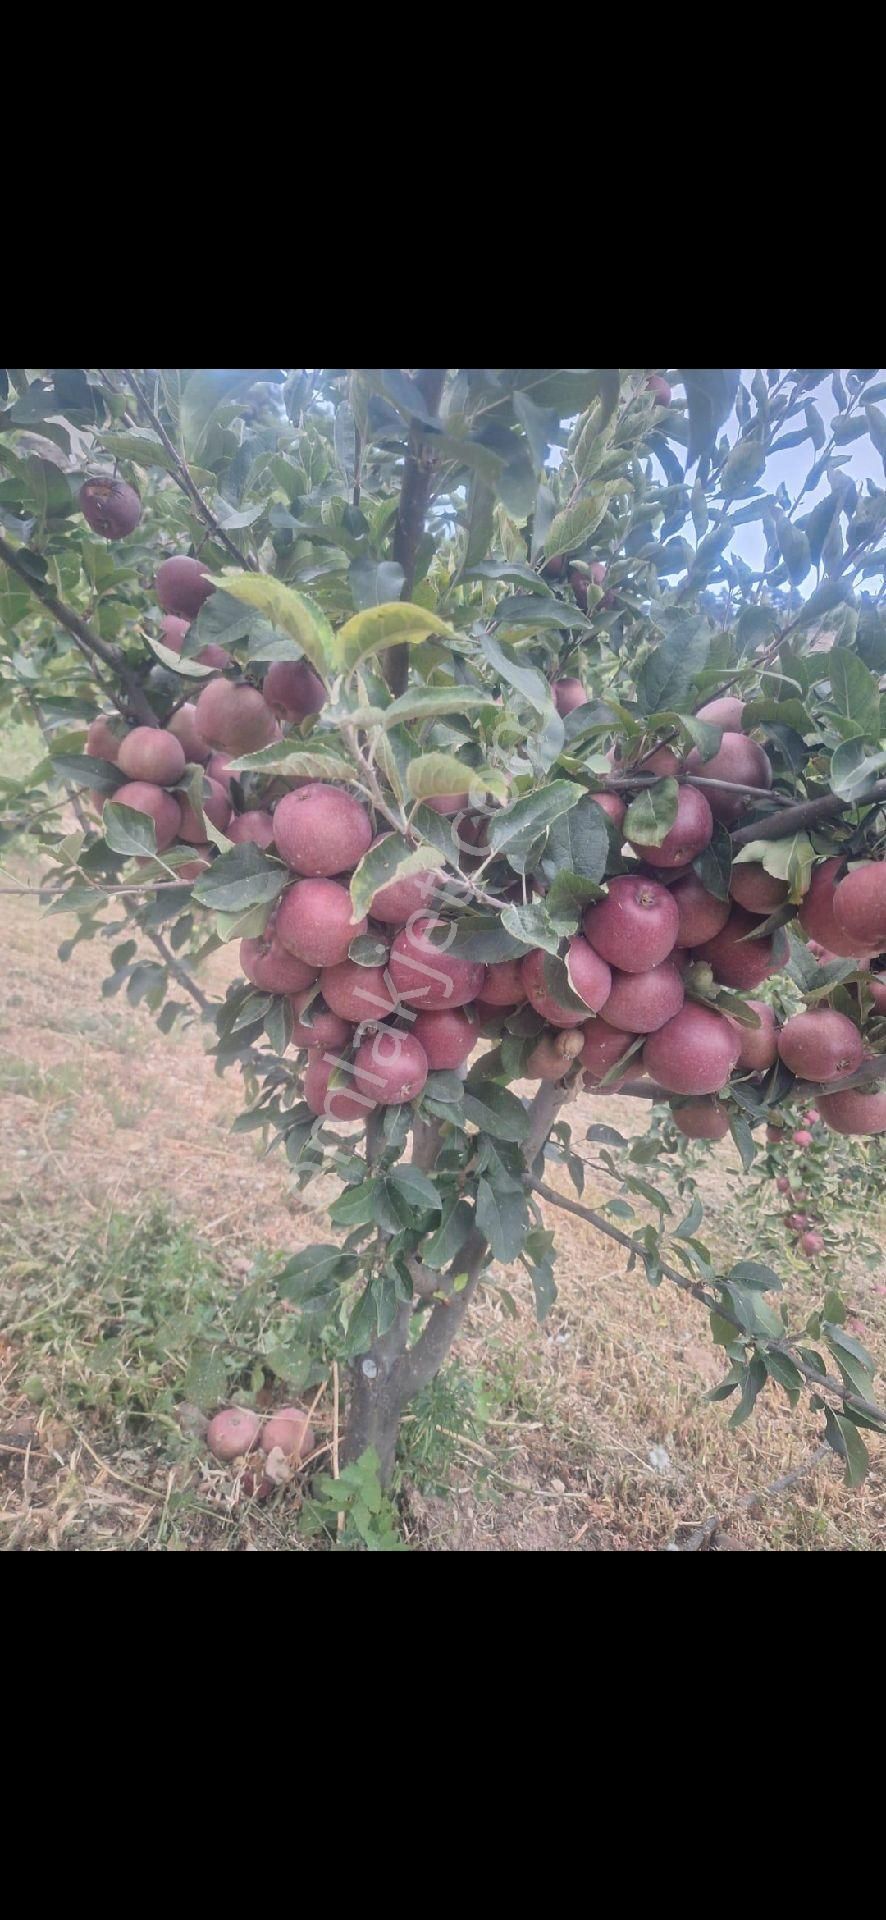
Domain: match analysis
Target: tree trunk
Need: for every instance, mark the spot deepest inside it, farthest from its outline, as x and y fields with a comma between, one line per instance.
x=383, y=1381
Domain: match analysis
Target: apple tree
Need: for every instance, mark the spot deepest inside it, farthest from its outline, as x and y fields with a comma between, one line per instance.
x=454, y=699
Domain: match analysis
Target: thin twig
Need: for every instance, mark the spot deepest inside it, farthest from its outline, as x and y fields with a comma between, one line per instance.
x=88, y=642
x=714, y=1522
x=184, y=479
x=824, y=1381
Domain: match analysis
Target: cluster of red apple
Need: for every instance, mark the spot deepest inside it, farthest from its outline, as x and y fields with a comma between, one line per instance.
x=627, y=966
x=225, y=721
x=238, y=1434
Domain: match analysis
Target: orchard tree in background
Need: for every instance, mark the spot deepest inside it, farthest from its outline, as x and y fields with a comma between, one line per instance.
x=447, y=696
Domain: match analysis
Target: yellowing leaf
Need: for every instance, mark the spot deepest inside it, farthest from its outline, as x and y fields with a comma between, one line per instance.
x=293, y=612
x=432, y=775
x=395, y=623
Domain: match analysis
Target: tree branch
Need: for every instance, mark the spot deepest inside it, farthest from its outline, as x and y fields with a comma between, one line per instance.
x=178, y=971
x=426, y=1357
x=806, y=813
x=410, y=522
x=748, y=1500
x=139, y=707
x=824, y=1381
x=183, y=478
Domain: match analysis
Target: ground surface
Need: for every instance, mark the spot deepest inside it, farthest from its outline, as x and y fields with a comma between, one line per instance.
x=125, y=1200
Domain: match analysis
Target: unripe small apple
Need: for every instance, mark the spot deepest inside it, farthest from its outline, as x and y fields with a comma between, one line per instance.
x=810, y=1118
x=783, y=1185
x=802, y=1138
x=658, y=387
x=775, y=1135
x=811, y=1243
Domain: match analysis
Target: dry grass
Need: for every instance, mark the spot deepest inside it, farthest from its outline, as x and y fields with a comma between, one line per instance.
x=589, y=1432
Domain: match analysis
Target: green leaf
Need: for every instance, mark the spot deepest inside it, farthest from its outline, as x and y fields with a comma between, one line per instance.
x=429, y=703
x=206, y=391
x=140, y=445
x=844, y=1437
x=80, y=770
x=578, y=844
x=494, y=1110
x=398, y=623
x=652, y=814
x=522, y=822
x=854, y=771
x=417, y=1188
x=294, y=760
x=753, y=1274
x=296, y=614
x=243, y=878
x=317, y=1270
x=710, y=396
x=128, y=831
x=532, y=926
x=573, y=526
x=390, y=859
x=442, y=1246
x=853, y=1359
x=206, y=1382
x=502, y=1221
x=356, y=1206
x=567, y=894
x=854, y=691
x=373, y=583
x=714, y=864
x=753, y=1380
x=744, y=1140
x=781, y=1369
x=516, y=673
x=667, y=674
